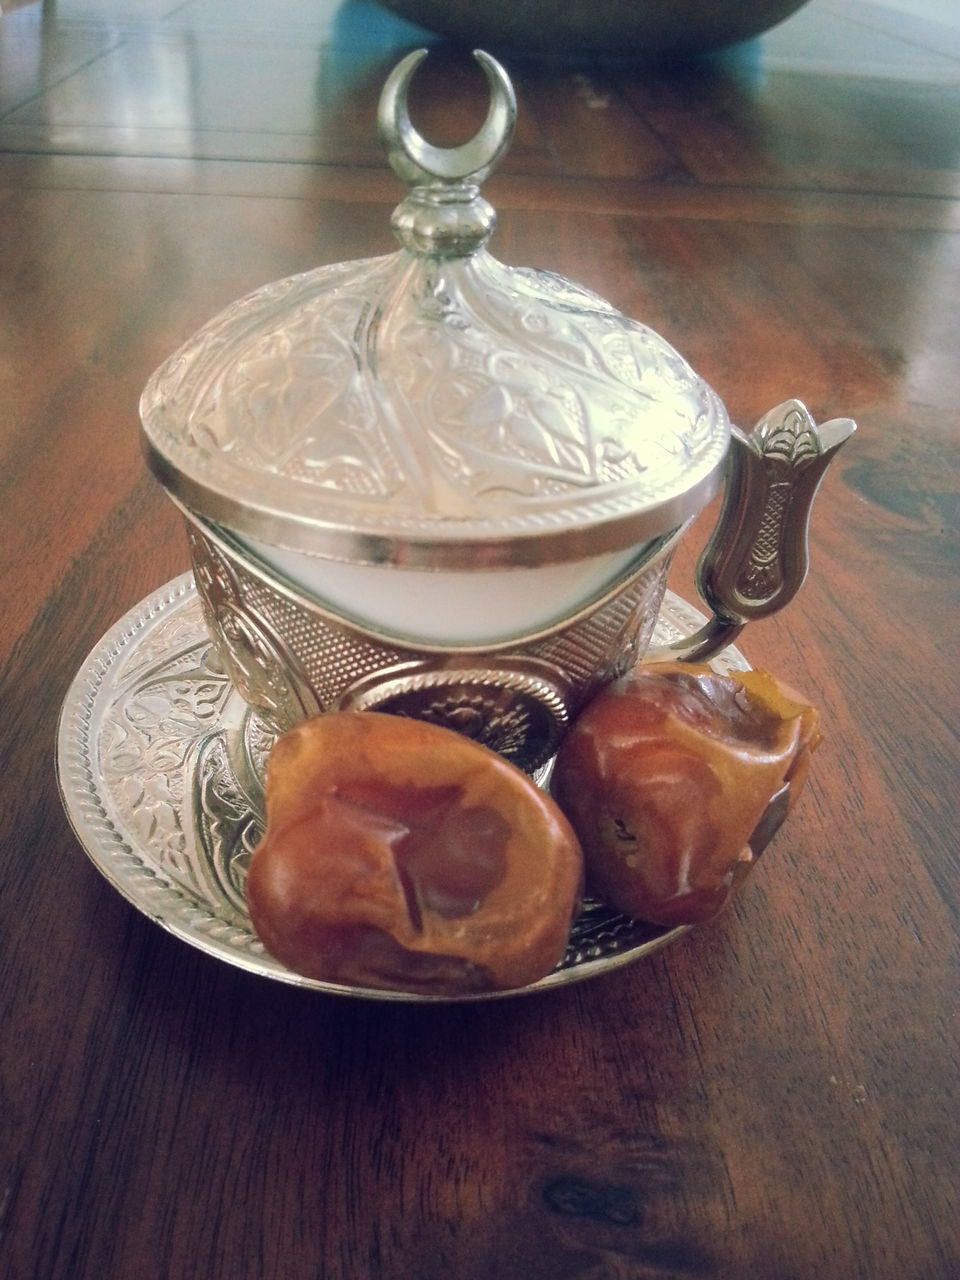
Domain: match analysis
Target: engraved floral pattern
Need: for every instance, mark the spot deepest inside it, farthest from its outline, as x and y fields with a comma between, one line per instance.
x=152, y=759
x=785, y=441
x=396, y=392
x=253, y=653
x=150, y=734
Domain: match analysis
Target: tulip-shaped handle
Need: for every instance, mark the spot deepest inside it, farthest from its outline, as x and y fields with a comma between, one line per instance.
x=756, y=559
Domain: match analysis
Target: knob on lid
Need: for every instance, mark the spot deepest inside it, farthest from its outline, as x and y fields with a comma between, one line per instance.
x=433, y=407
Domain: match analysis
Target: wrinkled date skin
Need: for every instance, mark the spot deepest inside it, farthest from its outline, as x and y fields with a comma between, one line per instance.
x=666, y=775
x=401, y=855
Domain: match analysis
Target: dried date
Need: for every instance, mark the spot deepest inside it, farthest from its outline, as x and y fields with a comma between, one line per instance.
x=665, y=776
x=404, y=856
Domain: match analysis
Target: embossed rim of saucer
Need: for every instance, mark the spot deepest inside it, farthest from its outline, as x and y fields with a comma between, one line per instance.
x=128, y=862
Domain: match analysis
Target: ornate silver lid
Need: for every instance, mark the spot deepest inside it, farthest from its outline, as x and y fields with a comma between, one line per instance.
x=434, y=408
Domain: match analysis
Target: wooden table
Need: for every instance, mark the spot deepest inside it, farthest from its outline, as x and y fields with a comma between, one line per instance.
x=775, y=1096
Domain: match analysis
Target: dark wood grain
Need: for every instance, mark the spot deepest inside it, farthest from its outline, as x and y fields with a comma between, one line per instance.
x=774, y=1097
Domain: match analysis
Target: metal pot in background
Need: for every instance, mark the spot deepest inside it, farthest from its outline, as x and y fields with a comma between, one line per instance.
x=640, y=29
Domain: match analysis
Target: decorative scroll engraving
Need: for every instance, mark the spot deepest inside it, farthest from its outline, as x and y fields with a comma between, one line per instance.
x=786, y=443
x=788, y=435
x=154, y=759
x=226, y=828
x=518, y=713
x=600, y=933
x=259, y=662
x=506, y=384
x=171, y=697
x=394, y=393
x=508, y=731
x=289, y=658
x=762, y=575
x=158, y=735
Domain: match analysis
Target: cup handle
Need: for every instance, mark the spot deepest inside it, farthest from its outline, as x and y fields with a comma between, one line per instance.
x=756, y=559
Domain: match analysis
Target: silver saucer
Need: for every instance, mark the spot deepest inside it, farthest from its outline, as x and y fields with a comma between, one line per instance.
x=159, y=762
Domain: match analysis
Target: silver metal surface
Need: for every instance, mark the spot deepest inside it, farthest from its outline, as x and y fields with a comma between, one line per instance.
x=757, y=558
x=160, y=763
x=434, y=408
x=290, y=657
x=773, y=819
x=414, y=159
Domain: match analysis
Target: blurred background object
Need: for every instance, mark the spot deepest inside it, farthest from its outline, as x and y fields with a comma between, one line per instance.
x=633, y=28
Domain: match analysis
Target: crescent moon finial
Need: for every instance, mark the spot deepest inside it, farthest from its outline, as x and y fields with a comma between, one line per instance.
x=416, y=160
